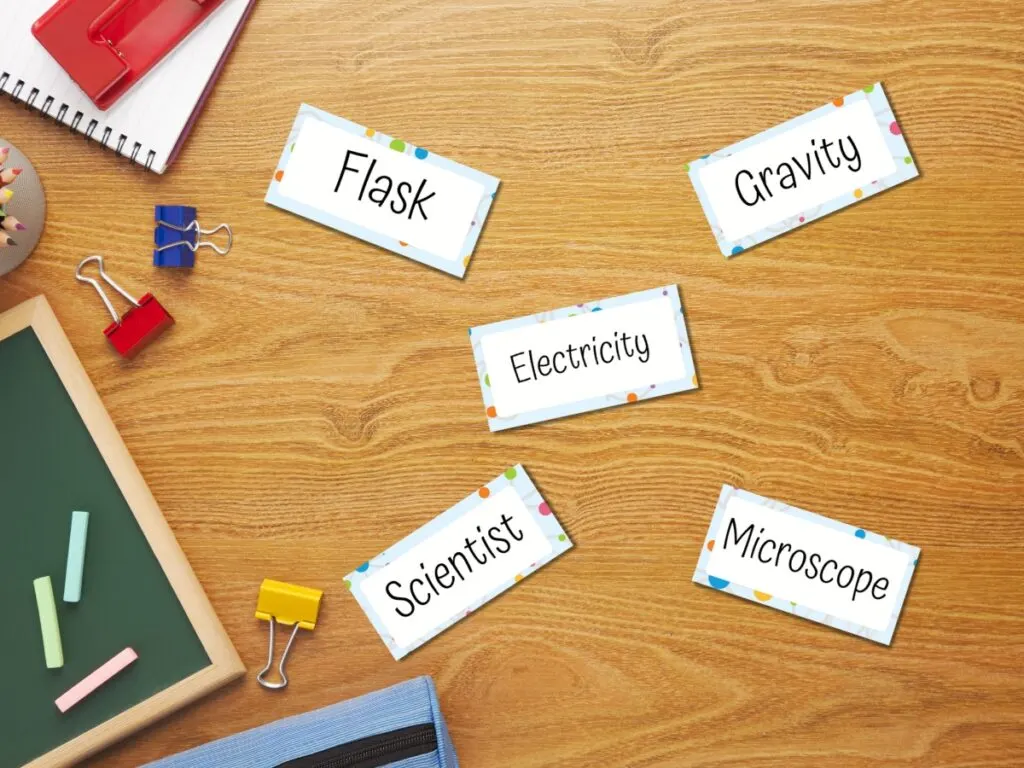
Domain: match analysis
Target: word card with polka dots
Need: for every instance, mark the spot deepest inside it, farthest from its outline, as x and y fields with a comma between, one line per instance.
x=807, y=565
x=457, y=562
x=582, y=358
x=801, y=170
x=382, y=190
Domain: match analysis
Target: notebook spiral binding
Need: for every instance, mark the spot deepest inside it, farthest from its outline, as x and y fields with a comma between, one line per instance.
x=75, y=121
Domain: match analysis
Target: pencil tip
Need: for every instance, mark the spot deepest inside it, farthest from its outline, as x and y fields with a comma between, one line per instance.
x=10, y=241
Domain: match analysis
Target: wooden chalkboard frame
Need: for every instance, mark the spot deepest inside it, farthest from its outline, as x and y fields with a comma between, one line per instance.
x=225, y=664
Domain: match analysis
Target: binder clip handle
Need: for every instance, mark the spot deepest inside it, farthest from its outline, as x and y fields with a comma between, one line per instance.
x=270, y=659
x=98, y=260
x=194, y=227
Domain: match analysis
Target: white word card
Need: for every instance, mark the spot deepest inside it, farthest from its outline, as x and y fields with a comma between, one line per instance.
x=583, y=358
x=460, y=560
x=805, y=564
x=382, y=190
x=804, y=169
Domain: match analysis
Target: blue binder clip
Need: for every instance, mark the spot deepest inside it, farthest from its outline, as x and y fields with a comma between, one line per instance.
x=176, y=236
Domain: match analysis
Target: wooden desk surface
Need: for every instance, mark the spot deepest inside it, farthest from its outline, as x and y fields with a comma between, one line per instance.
x=317, y=400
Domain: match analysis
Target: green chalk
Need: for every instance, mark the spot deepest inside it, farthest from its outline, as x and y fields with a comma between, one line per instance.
x=76, y=557
x=48, y=622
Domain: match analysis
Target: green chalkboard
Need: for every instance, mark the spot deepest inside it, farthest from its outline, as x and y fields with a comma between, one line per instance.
x=50, y=466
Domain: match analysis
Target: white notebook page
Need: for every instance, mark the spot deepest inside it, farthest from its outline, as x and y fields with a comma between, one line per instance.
x=146, y=122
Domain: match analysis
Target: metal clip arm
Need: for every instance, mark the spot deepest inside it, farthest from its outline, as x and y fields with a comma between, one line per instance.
x=194, y=227
x=270, y=659
x=99, y=289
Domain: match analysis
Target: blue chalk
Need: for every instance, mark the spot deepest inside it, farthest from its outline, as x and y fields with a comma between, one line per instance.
x=76, y=557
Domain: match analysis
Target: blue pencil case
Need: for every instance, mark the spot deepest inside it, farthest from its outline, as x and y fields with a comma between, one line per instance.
x=398, y=727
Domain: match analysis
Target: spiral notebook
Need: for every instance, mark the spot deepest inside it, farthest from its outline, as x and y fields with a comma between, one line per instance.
x=148, y=125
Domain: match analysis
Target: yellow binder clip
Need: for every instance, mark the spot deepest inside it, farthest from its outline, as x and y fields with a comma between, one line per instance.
x=291, y=605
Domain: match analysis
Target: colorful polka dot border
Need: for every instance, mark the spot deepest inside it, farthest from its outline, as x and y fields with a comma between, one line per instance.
x=511, y=501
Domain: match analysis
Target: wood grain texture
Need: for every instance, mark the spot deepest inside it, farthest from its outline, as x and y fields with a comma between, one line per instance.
x=317, y=401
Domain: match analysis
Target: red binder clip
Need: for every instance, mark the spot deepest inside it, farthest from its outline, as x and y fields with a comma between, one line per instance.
x=146, y=320
x=107, y=45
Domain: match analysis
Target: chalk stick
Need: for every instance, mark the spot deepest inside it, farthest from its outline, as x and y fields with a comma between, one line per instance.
x=95, y=679
x=52, y=648
x=76, y=557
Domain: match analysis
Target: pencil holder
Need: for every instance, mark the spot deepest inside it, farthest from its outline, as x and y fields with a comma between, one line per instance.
x=22, y=208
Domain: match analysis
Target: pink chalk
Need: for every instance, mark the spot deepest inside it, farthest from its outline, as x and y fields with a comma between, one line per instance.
x=93, y=681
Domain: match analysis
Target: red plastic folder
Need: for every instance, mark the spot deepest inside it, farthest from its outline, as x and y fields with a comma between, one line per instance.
x=106, y=46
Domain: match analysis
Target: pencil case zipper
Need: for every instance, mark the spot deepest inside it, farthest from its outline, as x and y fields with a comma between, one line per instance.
x=372, y=751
